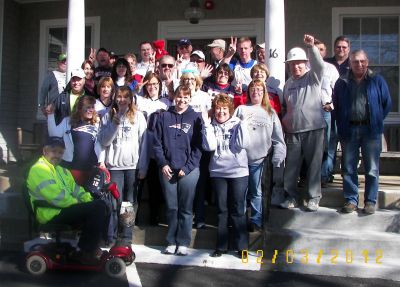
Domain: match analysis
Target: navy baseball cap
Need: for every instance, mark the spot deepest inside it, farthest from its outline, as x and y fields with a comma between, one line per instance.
x=184, y=42
x=55, y=142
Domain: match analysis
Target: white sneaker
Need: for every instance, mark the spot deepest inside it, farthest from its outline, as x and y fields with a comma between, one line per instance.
x=182, y=251
x=289, y=203
x=312, y=204
x=171, y=249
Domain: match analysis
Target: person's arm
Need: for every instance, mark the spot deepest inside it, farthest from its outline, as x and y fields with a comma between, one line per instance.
x=231, y=51
x=195, y=145
x=316, y=61
x=278, y=142
x=158, y=145
x=208, y=137
x=108, y=129
x=385, y=96
x=56, y=130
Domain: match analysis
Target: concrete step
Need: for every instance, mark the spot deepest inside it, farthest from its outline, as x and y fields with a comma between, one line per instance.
x=333, y=242
x=201, y=238
x=330, y=218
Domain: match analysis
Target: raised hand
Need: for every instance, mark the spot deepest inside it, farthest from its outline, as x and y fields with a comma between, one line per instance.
x=92, y=55
x=116, y=118
x=308, y=40
x=232, y=46
x=152, y=58
x=207, y=71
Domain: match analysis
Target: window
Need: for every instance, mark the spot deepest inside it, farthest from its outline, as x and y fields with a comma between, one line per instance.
x=377, y=31
x=53, y=41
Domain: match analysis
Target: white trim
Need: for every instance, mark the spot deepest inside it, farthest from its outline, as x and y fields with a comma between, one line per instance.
x=218, y=28
x=1, y=40
x=339, y=12
x=45, y=25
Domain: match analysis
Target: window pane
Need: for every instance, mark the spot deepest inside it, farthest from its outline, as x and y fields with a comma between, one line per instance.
x=389, y=53
x=351, y=28
x=391, y=75
x=57, y=43
x=372, y=49
x=390, y=29
x=370, y=29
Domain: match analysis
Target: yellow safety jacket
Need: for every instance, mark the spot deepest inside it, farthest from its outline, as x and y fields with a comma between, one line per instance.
x=55, y=185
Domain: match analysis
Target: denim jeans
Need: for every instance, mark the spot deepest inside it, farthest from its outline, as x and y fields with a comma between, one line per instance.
x=126, y=182
x=179, y=194
x=254, y=194
x=327, y=135
x=329, y=159
x=231, y=200
x=201, y=188
x=370, y=151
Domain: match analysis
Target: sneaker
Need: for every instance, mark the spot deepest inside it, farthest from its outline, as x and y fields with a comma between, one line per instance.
x=218, y=253
x=349, y=207
x=182, y=251
x=171, y=249
x=312, y=204
x=369, y=208
x=289, y=203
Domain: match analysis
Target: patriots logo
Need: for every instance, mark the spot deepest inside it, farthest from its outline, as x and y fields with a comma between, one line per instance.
x=183, y=127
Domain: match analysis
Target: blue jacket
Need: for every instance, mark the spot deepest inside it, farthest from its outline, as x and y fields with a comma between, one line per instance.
x=178, y=139
x=379, y=104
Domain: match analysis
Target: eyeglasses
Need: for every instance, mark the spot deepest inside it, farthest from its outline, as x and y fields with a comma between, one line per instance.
x=189, y=79
x=223, y=73
x=341, y=47
x=167, y=65
x=253, y=90
x=153, y=84
x=183, y=47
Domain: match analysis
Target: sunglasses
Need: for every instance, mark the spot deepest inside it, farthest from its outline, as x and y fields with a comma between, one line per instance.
x=167, y=65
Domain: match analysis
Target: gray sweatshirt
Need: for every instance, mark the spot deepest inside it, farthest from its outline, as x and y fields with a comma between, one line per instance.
x=265, y=131
x=227, y=141
x=122, y=142
x=301, y=108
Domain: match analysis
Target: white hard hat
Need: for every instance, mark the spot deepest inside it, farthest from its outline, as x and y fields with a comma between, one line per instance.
x=296, y=54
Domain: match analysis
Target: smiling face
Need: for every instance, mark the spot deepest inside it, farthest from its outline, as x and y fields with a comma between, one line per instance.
x=342, y=50
x=153, y=88
x=185, y=51
x=222, y=114
x=260, y=55
x=297, y=68
x=105, y=92
x=121, y=70
x=53, y=154
x=222, y=77
x=189, y=80
x=145, y=51
x=62, y=65
x=88, y=71
x=77, y=85
x=87, y=112
x=359, y=64
x=182, y=101
x=256, y=94
x=260, y=75
x=123, y=101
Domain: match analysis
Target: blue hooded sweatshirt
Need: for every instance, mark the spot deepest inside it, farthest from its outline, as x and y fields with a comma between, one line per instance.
x=178, y=139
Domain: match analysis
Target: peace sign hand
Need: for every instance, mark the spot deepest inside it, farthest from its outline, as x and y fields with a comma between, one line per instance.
x=152, y=58
x=232, y=46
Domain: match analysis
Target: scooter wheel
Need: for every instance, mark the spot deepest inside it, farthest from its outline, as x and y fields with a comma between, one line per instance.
x=115, y=267
x=36, y=265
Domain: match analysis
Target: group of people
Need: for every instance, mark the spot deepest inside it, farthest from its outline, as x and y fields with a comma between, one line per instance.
x=179, y=123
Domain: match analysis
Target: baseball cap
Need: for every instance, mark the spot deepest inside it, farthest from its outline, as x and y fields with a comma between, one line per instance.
x=184, y=42
x=62, y=57
x=199, y=53
x=78, y=73
x=261, y=45
x=55, y=142
x=218, y=43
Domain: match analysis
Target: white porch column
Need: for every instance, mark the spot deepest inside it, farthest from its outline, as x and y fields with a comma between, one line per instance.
x=275, y=42
x=76, y=35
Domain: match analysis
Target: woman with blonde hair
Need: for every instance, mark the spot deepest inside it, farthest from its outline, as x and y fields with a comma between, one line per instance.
x=226, y=136
x=79, y=131
x=121, y=134
x=265, y=131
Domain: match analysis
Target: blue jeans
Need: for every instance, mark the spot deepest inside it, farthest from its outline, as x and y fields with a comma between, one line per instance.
x=327, y=167
x=179, y=194
x=370, y=151
x=329, y=161
x=231, y=200
x=254, y=194
x=126, y=182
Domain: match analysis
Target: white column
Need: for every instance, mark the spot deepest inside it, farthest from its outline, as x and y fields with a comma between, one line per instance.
x=76, y=35
x=275, y=42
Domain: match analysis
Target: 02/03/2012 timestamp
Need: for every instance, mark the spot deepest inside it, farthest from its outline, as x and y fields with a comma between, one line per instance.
x=332, y=256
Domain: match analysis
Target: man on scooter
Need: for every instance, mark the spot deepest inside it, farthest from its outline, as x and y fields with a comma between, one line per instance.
x=68, y=202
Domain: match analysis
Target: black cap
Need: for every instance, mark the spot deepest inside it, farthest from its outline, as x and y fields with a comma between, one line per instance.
x=55, y=142
x=184, y=42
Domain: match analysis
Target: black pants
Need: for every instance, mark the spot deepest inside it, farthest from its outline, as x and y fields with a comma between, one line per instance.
x=93, y=216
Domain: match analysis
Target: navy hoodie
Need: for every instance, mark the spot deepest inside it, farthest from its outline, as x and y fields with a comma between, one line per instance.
x=177, y=140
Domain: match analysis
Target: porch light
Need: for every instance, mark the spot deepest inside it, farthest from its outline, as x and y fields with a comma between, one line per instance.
x=194, y=13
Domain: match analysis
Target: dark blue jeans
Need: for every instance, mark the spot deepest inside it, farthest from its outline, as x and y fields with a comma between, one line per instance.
x=231, y=201
x=127, y=184
x=179, y=194
x=370, y=150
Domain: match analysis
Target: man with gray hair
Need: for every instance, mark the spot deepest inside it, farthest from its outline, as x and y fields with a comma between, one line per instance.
x=303, y=124
x=217, y=51
x=362, y=101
